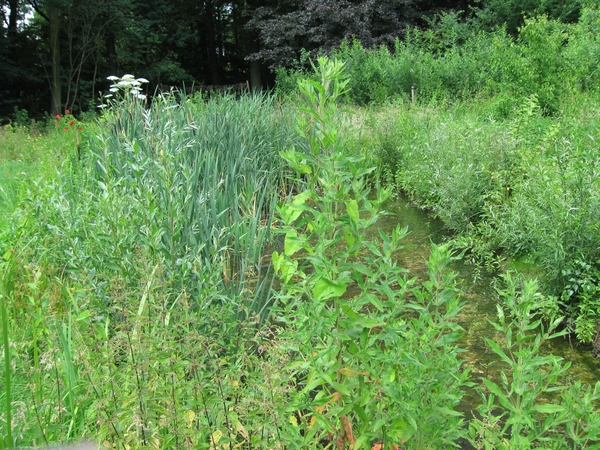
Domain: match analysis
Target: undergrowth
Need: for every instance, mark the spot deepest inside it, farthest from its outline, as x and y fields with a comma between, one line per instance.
x=525, y=186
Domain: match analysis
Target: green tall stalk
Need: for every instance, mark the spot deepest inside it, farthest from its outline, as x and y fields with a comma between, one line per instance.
x=7, y=369
x=343, y=299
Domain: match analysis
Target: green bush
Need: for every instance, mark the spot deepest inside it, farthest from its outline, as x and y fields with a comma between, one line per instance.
x=455, y=60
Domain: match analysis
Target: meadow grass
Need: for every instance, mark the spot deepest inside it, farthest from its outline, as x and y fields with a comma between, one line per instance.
x=152, y=242
x=31, y=154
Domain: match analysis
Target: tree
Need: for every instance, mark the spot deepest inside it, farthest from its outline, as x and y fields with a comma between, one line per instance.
x=81, y=42
x=511, y=13
x=22, y=79
x=287, y=27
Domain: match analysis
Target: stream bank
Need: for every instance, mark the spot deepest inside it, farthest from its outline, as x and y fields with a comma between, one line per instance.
x=480, y=300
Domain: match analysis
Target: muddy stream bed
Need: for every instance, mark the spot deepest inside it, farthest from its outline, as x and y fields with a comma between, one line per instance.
x=480, y=301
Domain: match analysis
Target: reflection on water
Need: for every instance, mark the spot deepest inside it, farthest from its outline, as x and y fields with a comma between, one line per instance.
x=480, y=300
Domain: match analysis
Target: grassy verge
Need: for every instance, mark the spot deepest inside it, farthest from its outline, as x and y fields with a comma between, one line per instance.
x=30, y=156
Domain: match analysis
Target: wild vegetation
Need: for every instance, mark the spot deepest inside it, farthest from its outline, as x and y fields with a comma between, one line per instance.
x=511, y=164
x=203, y=272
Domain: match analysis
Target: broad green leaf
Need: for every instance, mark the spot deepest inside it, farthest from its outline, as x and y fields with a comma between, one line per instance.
x=341, y=388
x=290, y=155
x=295, y=160
x=289, y=213
x=325, y=289
x=288, y=270
x=448, y=411
x=352, y=209
x=292, y=243
x=189, y=416
x=346, y=309
x=548, y=408
x=350, y=238
x=301, y=198
x=369, y=322
x=216, y=437
x=304, y=168
x=353, y=348
x=277, y=260
x=402, y=431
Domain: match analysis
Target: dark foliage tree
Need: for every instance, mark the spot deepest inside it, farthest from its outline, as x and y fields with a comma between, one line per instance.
x=21, y=80
x=59, y=58
x=510, y=13
x=287, y=27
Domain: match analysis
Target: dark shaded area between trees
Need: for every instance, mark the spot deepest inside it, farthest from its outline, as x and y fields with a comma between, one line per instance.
x=55, y=55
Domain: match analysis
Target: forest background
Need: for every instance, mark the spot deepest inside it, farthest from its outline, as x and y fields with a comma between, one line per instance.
x=55, y=55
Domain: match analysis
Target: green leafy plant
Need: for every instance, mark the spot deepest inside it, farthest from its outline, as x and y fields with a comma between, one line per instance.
x=520, y=411
x=353, y=335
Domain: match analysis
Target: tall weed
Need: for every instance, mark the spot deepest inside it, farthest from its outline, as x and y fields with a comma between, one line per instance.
x=353, y=332
x=531, y=407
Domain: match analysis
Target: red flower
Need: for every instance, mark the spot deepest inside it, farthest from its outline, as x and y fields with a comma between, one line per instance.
x=67, y=111
x=80, y=128
x=66, y=128
x=57, y=116
x=72, y=122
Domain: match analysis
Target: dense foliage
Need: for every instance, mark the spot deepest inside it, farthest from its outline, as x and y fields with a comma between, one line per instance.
x=139, y=308
x=455, y=62
x=512, y=166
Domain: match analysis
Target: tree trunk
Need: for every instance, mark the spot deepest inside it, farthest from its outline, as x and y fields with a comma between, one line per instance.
x=210, y=41
x=13, y=18
x=55, y=85
x=255, y=67
x=111, y=53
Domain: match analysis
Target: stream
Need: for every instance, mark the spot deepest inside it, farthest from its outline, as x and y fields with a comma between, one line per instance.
x=480, y=301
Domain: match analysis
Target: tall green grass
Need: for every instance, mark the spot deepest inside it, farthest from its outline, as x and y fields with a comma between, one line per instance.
x=153, y=241
x=188, y=182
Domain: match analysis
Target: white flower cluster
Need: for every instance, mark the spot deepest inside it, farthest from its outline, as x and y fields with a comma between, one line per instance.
x=128, y=84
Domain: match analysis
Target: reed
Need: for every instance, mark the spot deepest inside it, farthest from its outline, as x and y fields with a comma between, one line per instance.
x=202, y=174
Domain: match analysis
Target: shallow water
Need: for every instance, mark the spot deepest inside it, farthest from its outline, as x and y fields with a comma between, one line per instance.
x=480, y=301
